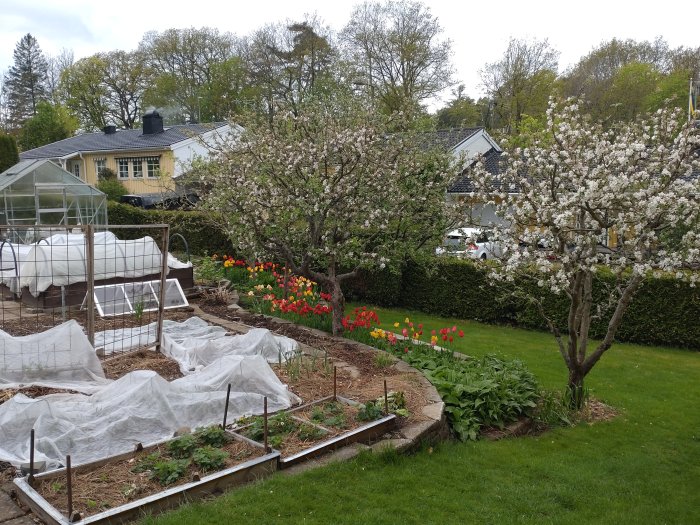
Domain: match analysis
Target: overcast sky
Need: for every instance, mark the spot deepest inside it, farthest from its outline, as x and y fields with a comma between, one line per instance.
x=479, y=30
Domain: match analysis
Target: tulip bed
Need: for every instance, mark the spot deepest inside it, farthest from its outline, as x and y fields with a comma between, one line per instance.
x=478, y=393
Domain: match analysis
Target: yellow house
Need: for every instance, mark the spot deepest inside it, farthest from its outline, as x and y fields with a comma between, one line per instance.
x=145, y=160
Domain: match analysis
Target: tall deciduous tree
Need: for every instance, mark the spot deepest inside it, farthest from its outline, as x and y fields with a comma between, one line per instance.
x=56, y=66
x=288, y=62
x=616, y=78
x=573, y=185
x=183, y=61
x=398, y=52
x=521, y=82
x=327, y=191
x=25, y=81
x=50, y=124
x=460, y=112
x=106, y=88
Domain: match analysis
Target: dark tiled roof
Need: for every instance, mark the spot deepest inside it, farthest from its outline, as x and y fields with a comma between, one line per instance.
x=445, y=139
x=492, y=162
x=126, y=140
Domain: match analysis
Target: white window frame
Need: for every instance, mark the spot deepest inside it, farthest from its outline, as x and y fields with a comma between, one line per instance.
x=76, y=168
x=100, y=164
x=137, y=168
x=121, y=163
x=153, y=167
x=127, y=307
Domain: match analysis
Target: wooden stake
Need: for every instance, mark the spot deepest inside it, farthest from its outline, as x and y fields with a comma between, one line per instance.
x=228, y=396
x=265, y=425
x=69, y=484
x=335, y=383
x=30, y=479
x=386, y=399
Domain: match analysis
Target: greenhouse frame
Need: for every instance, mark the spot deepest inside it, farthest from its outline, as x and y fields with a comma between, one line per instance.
x=39, y=192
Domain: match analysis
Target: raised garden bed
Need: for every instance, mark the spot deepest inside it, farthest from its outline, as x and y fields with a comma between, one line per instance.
x=318, y=427
x=153, y=479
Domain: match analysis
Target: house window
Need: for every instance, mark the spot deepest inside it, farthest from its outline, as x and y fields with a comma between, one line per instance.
x=123, y=167
x=100, y=165
x=137, y=168
x=153, y=167
x=76, y=169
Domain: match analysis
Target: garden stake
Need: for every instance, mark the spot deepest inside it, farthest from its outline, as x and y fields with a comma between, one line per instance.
x=265, y=425
x=335, y=383
x=30, y=479
x=228, y=395
x=70, y=489
x=386, y=399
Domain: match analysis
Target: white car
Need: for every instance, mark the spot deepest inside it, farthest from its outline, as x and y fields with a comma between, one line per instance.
x=475, y=243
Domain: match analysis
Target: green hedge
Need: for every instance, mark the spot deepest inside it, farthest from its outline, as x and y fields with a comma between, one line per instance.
x=664, y=311
x=201, y=230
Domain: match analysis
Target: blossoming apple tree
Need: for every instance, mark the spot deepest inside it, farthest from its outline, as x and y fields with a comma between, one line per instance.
x=328, y=191
x=582, y=200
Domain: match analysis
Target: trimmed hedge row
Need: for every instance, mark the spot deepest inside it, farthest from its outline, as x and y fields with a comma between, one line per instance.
x=201, y=230
x=664, y=311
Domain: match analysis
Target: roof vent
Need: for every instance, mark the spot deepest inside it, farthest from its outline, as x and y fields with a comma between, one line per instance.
x=110, y=129
x=152, y=123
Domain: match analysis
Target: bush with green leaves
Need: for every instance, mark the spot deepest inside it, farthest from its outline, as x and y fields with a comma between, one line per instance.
x=663, y=312
x=478, y=393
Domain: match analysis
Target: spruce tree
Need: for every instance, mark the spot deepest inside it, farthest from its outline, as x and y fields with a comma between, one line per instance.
x=25, y=82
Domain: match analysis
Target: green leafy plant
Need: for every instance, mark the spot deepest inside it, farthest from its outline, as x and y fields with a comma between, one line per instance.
x=182, y=447
x=209, y=458
x=147, y=463
x=309, y=432
x=329, y=415
x=138, y=311
x=168, y=472
x=369, y=411
x=213, y=435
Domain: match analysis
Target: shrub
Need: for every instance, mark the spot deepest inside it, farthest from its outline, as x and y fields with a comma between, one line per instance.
x=9, y=154
x=664, y=311
x=112, y=187
x=201, y=230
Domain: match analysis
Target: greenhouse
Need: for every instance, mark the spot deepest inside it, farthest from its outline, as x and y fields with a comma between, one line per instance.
x=36, y=192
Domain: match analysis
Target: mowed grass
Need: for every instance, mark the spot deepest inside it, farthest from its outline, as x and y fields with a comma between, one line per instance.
x=641, y=467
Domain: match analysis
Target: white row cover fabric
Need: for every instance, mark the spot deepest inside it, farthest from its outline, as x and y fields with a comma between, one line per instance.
x=141, y=407
x=194, y=343
x=60, y=260
x=64, y=264
x=61, y=357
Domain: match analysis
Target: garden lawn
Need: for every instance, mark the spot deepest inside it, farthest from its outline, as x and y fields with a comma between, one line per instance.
x=641, y=467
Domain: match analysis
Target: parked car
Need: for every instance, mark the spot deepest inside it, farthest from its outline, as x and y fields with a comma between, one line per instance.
x=474, y=243
x=165, y=200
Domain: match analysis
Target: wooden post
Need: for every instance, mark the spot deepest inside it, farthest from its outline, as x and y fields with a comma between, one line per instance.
x=90, y=279
x=335, y=383
x=69, y=485
x=228, y=396
x=30, y=478
x=267, y=449
x=163, y=277
x=386, y=399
